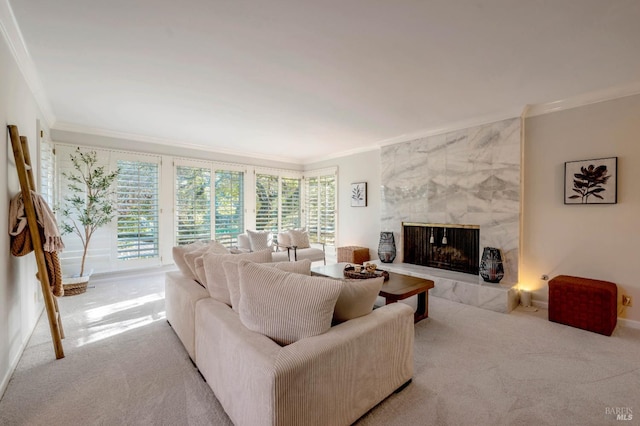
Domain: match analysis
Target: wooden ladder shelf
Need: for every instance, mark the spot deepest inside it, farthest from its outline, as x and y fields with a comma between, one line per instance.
x=27, y=184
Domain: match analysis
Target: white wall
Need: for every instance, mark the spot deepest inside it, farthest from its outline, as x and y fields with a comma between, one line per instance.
x=20, y=296
x=357, y=226
x=593, y=241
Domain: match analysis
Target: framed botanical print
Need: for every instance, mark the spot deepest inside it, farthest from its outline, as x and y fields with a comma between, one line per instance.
x=359, y=194
x=591, y=181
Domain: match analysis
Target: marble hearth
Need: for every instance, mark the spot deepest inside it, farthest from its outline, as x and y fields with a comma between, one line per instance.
x=462, y=288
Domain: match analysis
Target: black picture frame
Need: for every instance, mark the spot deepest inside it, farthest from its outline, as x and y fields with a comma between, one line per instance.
x=593, y=181
x=359, y=194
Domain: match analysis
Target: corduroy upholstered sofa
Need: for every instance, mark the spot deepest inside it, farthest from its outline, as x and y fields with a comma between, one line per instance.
x=263, y=374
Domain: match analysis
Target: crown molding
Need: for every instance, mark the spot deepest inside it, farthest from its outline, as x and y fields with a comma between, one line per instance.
x=407, y=137
x=453, y=126
x=75, y=128
x=584, y=99
x=11, y=31
x=340, y=154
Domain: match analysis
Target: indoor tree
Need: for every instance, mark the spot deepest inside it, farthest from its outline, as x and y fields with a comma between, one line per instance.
x=90, y=199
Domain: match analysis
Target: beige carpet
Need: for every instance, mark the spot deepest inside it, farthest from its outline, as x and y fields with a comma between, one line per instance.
x=124, y=365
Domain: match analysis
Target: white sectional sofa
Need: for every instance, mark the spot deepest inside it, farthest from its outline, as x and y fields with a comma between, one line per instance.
x=264, y=373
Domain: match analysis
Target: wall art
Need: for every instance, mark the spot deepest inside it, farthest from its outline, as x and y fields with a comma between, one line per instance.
x=359, y=194
x=591, y=181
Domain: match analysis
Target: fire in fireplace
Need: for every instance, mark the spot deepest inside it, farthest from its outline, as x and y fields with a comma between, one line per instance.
x=445, y=246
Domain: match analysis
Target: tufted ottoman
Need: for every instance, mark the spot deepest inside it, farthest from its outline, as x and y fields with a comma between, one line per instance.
x=584, y=303
x=353, y=254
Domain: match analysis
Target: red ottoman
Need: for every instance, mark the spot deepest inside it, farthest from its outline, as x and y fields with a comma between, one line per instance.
x=584, y=303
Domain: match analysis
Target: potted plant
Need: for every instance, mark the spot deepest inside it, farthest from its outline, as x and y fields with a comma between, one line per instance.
x=87, y=206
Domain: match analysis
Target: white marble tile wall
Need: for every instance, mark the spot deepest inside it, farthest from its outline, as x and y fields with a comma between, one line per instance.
x=469, y=176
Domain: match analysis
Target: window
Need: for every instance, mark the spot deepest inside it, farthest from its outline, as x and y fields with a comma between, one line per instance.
x=192, y=204
x=291, y=212
x=229, y=216
x=137, y=199
x=277, y=203
x=267, y=203
x=163, y=201
x=321, y=208
x=47, y=171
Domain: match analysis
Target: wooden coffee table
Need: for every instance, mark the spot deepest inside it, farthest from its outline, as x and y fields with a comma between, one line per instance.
x=398, y=287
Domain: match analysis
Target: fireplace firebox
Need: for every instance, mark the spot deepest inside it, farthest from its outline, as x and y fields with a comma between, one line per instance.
x=445, y=246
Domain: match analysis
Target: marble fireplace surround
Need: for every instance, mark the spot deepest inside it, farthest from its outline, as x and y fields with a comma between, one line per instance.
x=465, y=176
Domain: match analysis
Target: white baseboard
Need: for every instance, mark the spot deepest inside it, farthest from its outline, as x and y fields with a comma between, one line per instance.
x=621, y=321
x=629, y=323
x=540, y=305
x=16, y=359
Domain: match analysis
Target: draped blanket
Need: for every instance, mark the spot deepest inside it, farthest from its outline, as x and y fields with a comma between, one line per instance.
x=21, y=243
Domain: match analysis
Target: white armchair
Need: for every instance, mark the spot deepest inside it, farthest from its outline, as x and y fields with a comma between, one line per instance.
x=299, y=247
x=290, y=246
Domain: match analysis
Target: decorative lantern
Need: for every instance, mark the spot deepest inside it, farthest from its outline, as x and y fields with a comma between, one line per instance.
x=491, y=268
x=387, y=247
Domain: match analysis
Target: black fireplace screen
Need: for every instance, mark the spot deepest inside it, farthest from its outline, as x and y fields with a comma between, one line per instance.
x=455, y=248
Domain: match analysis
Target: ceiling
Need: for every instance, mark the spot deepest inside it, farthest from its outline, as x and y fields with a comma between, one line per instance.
x=305, y=80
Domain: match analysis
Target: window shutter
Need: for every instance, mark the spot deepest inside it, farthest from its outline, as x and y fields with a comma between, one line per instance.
x=229, y=215
x=321, y=208
x=193, y=204
x=137, y=195
x=47, y=171
x=267, y=203
x=290, y=204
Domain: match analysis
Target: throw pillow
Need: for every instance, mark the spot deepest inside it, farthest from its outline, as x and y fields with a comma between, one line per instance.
x=198, y=262
x=357, y=298
x=260, y=240
x=299, y=238
x=284, y=306
x=216, y=247
x=190, y=260
x=178, y=253
x=284, y=239
x=200, y=275
x=233, y=278
x=216, y=276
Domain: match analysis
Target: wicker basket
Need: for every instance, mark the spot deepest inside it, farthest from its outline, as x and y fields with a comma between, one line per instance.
x=350, y=272
x=75, y=285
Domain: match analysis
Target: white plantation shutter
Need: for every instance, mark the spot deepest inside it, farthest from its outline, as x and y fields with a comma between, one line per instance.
x=229, y=203
x=138, y=211
x=267, y=197
x=290, y=209
x=192, y=204
x=321, y=208
x=278, y=202
x=47, y=171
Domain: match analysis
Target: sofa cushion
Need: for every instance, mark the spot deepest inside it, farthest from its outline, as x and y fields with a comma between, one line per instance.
x=299, y=238
x=178, y=253
x=357, y=298
x=216, y=277
x=260, y=240
x=285, y=306
x=233, y=276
